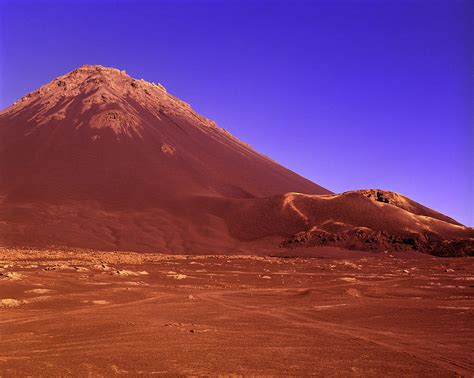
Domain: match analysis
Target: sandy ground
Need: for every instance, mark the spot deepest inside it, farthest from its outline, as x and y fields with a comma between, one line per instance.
x=85, y=313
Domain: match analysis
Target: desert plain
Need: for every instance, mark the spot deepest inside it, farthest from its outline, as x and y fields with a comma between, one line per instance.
x=77, y=312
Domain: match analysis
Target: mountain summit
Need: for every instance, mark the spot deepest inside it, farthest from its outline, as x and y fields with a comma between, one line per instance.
x=98, y=159
x=97, y=134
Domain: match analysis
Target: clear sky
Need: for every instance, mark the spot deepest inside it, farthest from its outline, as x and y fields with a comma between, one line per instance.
x=350, y=94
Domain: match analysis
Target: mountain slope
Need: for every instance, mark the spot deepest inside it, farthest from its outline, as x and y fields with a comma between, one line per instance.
x=98, y=159
x=98, y=134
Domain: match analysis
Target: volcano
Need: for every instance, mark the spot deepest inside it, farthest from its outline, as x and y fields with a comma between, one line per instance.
x=97, y=159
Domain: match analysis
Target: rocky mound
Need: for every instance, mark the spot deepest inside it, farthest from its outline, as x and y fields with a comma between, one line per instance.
x=350, y=220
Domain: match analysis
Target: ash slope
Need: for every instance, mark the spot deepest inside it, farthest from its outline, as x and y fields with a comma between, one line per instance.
x=98, y=134
x=97, y=159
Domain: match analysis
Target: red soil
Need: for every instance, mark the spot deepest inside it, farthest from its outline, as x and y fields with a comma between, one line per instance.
x=363, y=314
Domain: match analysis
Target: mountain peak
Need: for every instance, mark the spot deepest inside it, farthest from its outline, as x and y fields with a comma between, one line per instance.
x=91, y=77
x=91, y=72
x=94, y=96
x=97, y=67
x=92, y=130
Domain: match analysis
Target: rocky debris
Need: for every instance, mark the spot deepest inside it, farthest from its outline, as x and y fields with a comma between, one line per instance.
x=125, y=272
x=97, y=302
x=81, y=269
x=175, y=275
x=379, y=196
x=363, y=238
x=352, y=265
x=40, y=298
x=103, y=267
x=38, y=291
x=194, y=330
x=100, y=302
x=470, y=278
x=58, y=267
x=190, y=296
x=13, y=276
x=348, y=279
x=451, y=248
x=136, y=283
x=354, y=293
x=10, y=303
x=184, y=327
x=168, y=149
x=160, y=86
x=178, y=276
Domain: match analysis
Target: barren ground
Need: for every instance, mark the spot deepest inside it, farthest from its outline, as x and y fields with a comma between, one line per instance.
x=338, y=313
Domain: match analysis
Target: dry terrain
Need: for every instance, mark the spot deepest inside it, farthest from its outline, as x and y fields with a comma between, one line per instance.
x=335, y=313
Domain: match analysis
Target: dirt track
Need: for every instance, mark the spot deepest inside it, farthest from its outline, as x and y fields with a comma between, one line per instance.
x=339, y=314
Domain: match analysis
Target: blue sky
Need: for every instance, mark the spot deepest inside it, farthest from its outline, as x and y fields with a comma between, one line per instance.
x=350, y=94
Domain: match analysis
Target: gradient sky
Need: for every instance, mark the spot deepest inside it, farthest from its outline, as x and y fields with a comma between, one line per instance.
x=350, y=94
